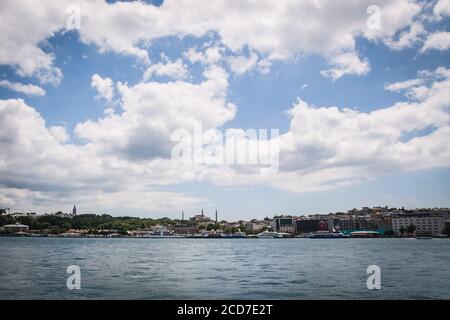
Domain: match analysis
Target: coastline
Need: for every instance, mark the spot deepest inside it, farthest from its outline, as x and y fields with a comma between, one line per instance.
x=181, y=237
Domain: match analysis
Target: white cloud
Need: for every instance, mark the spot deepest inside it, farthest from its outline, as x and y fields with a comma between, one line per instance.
x=437, y=41
x=210, y=56
x=124, y=158
x=25, y=25
x=152, y=111
x=59, y=133
x=104, y=87
x=137, y=201
x=28, y=89
x=174, y=70
x=399, y=19
x=442, y=8
x=408, y=38
x=346, y=63
x=264, y=66
x=238, y=63
x=414, y=88
x=418, y=89
x=403, y=85
x=241, y=64
x=40, y=170
x=193, y=55
x=346, y=146
x=270, y=28
x=330, y=147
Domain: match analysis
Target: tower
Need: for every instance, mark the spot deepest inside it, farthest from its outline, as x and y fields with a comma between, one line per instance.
x=216, y=215
x=74, y=210
x=182, y=215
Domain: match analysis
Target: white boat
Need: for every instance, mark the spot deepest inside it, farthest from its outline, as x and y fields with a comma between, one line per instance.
x=205, y=234
x=328, y=235
x=162, y=233
x=283, y=235
x=423, y=236
x=239, y=234
x=267, y=235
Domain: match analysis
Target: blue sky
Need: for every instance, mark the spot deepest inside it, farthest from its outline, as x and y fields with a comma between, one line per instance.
x=262, y=99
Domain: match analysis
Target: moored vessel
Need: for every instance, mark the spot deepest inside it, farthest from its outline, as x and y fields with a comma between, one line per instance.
x=267, y=235
x=327, y=235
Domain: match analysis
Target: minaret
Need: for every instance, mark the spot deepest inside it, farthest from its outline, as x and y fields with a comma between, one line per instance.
x=203, y=216
x=182, y=215
x=216, y=215
x=74, y=210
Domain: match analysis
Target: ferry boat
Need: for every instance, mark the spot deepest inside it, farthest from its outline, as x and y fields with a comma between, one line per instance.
x=267, y=234
x=205, y=234
x=327, y=235
x=239, y=234
x=284, y=235
x=229, y=235
x=162, y=233
x=423, y=236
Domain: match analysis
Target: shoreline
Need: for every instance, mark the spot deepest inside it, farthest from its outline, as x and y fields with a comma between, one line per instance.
x=205, y=238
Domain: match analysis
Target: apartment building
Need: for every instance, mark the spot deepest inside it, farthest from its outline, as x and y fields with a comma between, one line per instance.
x=424, y=223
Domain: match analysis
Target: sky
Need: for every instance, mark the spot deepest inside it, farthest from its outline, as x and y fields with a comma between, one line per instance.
x=93, y=94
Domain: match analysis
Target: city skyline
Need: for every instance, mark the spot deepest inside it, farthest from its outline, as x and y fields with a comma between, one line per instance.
x=214, y=215
x=89, y=103
x=364, y=222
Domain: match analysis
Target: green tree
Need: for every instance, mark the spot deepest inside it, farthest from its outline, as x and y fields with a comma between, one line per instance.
x=4, y=220
x=411, y=228
x=55, y=230
x=122, y=231
x=234, y=229
x=402, y=230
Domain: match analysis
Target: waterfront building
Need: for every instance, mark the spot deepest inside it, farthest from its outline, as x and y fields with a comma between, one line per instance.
x=255, y=226
x=383, y=222
x=359, y=212
x=350, y=223
x=424, y=223
x=379, y=209
x=310, y=225
x=14, y=228
x=283, y=224
x=320, y=216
